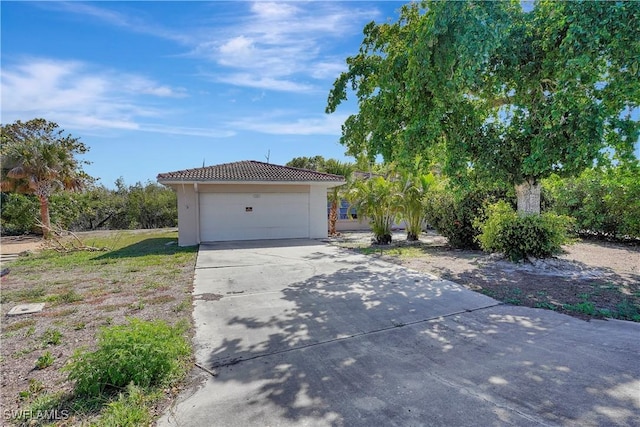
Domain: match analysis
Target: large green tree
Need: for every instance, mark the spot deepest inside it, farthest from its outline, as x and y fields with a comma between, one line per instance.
x=38, y=158
x=513, y=95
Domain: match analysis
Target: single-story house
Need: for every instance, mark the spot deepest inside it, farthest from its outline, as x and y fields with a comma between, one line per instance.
x=250, y=200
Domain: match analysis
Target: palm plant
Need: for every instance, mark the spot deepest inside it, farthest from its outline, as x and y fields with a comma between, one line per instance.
x=336, y=167
x=413, y=190
x=376, y=198
x=39, y=160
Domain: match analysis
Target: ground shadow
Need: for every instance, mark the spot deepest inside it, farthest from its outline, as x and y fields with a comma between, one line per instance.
x=260, y=244
x=363, y=347
x=152, y=246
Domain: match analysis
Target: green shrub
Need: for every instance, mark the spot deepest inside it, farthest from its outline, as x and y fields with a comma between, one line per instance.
x=19, y=213
x=503, y=230
x=603, y=202
x=452, y=213
x=141, y=352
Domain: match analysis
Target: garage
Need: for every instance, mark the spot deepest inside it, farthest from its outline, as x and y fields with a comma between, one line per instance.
x=250, y=200
x=253, y=216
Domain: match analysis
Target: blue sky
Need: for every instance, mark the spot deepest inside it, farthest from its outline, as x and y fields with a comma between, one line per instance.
x=154, y=87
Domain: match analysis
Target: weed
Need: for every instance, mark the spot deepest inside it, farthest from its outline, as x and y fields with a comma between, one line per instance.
x=546, y=305
x=20, y=353
x=63, y=313
x=34, y=389
x=30, y=331
x=140, y=352
x=78, y=326
x=137, y=305
x=68, y=297
x=51, y=336
x=129, y=409
x=45, y=360
x=585, y=307
x=513, y=301
x=628, y=311
x=160, y=299
x=24, y=295
x=184, y=305
x=19, y=325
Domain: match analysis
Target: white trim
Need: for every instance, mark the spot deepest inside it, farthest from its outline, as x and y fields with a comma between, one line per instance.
x=328, y=184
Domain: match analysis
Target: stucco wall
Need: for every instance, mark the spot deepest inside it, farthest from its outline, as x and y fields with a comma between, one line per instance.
x=318, y=221
x=187, y=215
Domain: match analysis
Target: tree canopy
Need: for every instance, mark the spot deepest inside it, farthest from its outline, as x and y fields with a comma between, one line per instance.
x=511, y=95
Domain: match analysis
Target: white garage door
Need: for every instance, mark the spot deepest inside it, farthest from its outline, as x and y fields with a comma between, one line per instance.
x=249, y=216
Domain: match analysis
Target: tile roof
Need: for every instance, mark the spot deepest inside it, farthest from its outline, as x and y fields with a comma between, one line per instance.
x=250, y=171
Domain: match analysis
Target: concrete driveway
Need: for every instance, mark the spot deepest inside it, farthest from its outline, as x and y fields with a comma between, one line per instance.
x=301, y=333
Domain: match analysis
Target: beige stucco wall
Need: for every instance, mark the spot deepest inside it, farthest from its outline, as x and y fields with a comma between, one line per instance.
x=188, y=208
x=187, y=215
x=318, y=221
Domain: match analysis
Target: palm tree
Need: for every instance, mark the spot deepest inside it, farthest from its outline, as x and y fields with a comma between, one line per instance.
x=376, y=198
x=336, y=167
x=413, y=190
x=38, y=159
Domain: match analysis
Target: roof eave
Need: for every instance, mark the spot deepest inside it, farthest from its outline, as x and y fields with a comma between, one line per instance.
x=173, y=181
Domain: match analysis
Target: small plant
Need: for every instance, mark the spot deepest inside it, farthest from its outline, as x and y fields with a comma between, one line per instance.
x=35, y=387
x=51, y=336
x=45, y=360
x=141, y=352
x=585, y=307
x=129, y=409
x=67, y=297
x=79, y=325
x=139, y=305
x=184, y=305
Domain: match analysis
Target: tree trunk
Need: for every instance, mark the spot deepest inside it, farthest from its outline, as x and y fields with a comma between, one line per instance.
x=44, y=216
x=333, y=217
x=528, y=194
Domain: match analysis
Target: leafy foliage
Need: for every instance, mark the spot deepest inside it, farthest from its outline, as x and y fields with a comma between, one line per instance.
x=39, y=159
x=376, y=199
x=452, y=212
x=97, y=207
x=514, y=95
x=413, y=191
x=604, y=202
x=141, y=352
x=518, y=236
x=19, y=213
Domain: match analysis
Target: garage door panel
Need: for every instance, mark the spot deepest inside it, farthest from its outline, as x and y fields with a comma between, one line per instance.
x=240, y=216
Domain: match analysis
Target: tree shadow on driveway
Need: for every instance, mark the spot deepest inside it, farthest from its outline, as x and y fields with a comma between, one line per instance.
x=388, y=346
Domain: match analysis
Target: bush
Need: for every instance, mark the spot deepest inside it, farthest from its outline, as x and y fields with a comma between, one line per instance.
x=518, y=237
x=19, y=213
x=452, y=214
x=603, y=202
x=141, y=353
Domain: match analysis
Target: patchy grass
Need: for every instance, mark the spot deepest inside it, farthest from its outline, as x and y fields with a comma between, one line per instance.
x=84, y=292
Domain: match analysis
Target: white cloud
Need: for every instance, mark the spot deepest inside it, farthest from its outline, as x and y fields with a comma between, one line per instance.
x=132, y=23
x=283, y=43
x=267, y=83
x=79, y=96
x=275, y=125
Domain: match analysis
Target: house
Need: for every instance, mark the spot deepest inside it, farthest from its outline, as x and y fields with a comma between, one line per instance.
x=250, y=200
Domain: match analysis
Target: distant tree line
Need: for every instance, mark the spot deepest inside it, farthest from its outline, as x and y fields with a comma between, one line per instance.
x=148, y=205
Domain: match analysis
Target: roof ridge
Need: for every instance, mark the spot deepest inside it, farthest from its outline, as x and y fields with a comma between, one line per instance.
x=248, y=171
